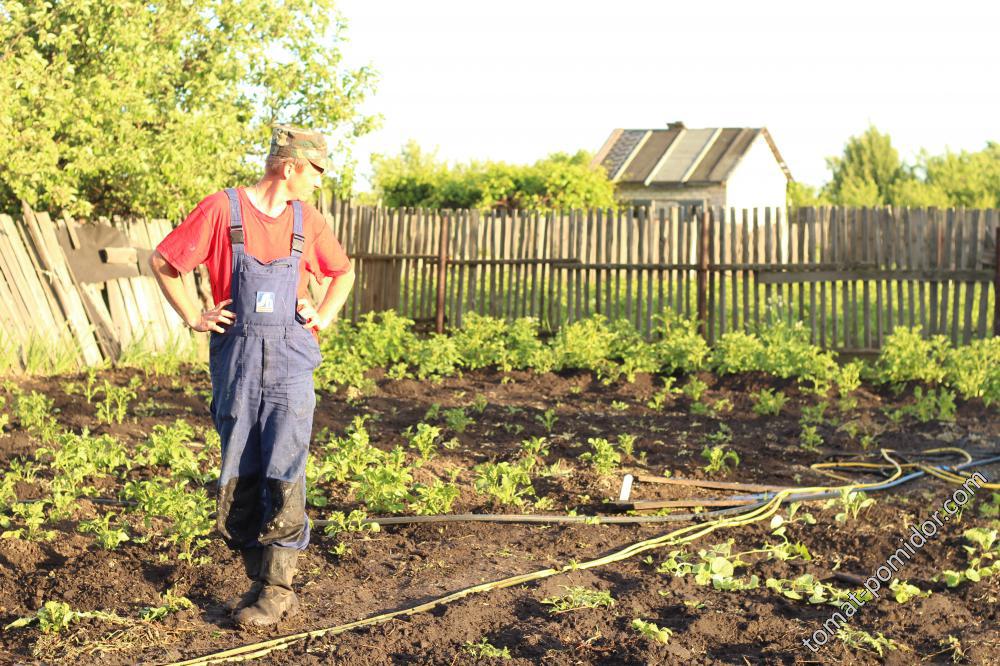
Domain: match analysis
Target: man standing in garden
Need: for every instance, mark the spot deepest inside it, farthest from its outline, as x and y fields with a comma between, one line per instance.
x=260, y=244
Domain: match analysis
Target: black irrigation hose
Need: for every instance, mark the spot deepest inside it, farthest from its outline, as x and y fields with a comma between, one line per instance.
x=763, y=498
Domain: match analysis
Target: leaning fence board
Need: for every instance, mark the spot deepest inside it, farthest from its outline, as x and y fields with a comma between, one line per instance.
x=50, y=256
x=135, y=307
x=46, y=320
x=121, y=316
x=171, y=321
x=104, y=327
x=19, y=306
x=16, y=329
x=147, y=298
x=38, y=305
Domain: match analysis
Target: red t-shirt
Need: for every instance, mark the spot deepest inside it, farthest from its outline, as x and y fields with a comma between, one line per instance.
x=203, y=238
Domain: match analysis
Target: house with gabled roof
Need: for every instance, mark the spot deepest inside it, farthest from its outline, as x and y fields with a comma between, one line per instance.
x=738, y=167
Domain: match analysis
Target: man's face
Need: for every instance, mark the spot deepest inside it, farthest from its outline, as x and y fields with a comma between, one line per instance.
x=302, y=184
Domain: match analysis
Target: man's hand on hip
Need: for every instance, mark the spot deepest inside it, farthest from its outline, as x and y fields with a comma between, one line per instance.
x=211, y=320
x=312, y=317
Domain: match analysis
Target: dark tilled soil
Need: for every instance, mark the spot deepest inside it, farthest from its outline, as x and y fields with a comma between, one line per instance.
x=402, y=566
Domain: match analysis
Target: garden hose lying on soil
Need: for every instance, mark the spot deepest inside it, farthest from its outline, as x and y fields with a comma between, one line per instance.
x=720, y=519
x=939, y=472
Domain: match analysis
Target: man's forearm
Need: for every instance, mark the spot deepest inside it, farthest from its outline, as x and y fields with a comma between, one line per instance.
x=335, y=296
x=173, y=289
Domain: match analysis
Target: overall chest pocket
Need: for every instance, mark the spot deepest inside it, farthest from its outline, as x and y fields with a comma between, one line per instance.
x=267, y=292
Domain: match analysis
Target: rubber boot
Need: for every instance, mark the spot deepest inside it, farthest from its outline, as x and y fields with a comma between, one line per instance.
x=252, y=558
x=276, y=600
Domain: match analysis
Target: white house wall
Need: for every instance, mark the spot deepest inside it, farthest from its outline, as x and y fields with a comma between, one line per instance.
x=757, y=181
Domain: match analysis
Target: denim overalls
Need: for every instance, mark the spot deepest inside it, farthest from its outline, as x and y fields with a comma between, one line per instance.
x=263, y=398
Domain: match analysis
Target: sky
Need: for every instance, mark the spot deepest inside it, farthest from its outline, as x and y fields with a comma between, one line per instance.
x=517, y=80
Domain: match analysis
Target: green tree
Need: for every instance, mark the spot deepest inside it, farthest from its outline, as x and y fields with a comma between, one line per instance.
x=413, y=178
x=800, y=195
x=970, y=179
x=915, y=193
x=867, y=171
x=146, y=107
x=560, y=181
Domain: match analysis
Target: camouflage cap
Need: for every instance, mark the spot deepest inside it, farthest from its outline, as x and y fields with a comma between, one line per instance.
x=288, y=141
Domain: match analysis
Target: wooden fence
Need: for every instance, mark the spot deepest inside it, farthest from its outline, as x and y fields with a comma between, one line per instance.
x=49, y=314
x=851, y=275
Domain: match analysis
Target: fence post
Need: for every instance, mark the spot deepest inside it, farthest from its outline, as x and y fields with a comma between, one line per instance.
x=996, y=283
x=703, y=274
x=442, y=269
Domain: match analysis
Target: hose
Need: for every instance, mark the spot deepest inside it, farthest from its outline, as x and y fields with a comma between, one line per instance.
x=740, y=516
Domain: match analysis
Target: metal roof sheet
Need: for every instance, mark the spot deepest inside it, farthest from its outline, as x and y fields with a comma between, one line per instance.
x=689, y=147
x=648, y=155
x=627, y=141
x=678, y=155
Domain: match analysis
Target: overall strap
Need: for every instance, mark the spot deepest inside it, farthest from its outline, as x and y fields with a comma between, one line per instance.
x=298, y=239
x=235, y=220
x=236, y=240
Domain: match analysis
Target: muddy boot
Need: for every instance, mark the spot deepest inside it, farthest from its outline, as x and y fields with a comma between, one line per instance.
x=251, y=563
x=276, y=600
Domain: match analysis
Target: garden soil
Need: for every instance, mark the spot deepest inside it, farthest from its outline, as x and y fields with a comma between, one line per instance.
x=402, y=566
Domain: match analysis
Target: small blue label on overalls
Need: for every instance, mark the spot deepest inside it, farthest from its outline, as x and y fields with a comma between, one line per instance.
x=265, y=301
